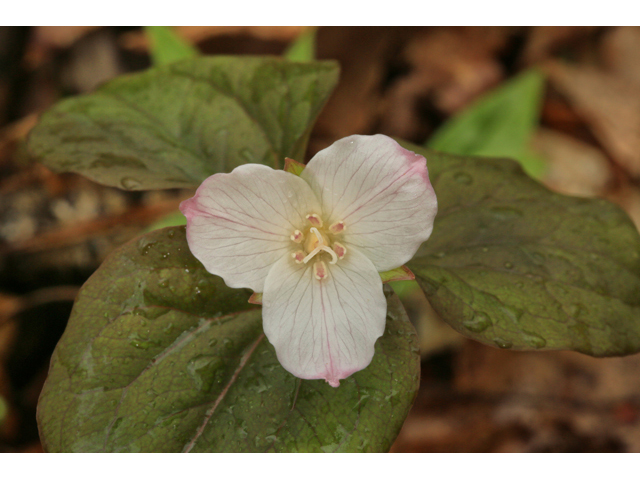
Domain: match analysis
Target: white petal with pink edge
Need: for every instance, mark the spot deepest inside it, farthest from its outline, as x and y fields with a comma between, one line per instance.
x=324, y=329
x=240, y=223
x=380, y=191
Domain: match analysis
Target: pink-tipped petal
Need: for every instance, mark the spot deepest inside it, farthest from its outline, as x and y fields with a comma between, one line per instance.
x=240, y=223
x=324, y=329
x=380, y=191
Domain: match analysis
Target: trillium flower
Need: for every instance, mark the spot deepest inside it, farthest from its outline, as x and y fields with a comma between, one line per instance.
x=313, y=246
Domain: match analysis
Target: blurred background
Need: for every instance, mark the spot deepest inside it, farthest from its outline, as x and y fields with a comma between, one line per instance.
x=563, y=101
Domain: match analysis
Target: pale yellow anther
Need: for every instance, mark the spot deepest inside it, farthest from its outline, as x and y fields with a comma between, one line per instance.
x=337, y=227
x=298, y=256
x=315, y=220
x=340, y=250
x=320, y=270
x=297, y=236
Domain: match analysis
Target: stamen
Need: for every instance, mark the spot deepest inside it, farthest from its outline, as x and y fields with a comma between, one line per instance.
x=315, y=220
x=298, y=256
x=321, y=247
x=334, y=257
x=340, y=250
x=320, y=270
x=297, y=236
x=337, y=227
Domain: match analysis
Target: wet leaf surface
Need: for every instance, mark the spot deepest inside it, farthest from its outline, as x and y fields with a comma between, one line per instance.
x=513, y=265
x=175, y=125
x=161, y=356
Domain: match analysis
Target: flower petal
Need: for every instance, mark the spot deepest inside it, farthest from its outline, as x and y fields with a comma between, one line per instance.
x=239, y=223
x=324, y=328
x=382, y=193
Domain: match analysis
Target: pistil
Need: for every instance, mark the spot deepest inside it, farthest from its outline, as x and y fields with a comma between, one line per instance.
x=320, y=247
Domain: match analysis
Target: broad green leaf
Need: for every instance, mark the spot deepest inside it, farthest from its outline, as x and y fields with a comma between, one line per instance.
x=160, y=356
x=500, y=124
x=170, y=220
x=175, y=125
x=167, y=47
x=303, y=49
x=514, y=265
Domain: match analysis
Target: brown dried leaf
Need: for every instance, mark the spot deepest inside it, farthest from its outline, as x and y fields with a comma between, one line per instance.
x=621, y=53
x=574, y=167
x=545, y=40
x=608, y=104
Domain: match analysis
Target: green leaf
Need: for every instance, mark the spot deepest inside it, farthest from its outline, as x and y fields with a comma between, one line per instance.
x=500, y=124
x=161, y=356
x=174, y=126
x=170, y=220
x=303, y=48
x=167, y=47
x=513, y=265
x=399, y=274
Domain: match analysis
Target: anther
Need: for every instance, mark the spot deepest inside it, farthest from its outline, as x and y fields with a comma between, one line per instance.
x=337, y=227
x=340, y=250
x=298, y=256
x=320, y=270
x=315, y=220
x=297, y=236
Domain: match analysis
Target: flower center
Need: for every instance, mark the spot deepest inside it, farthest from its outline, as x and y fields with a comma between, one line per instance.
x=315, y=240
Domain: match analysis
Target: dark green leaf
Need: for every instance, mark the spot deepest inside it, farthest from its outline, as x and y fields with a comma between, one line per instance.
x=167, y=47
x=500, y=124
x=514, y=265
x=303, y=49
x=173, y=126
x=161, y=356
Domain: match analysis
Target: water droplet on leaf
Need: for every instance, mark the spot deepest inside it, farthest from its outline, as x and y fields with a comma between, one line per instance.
x=502, y=343
x=463, y=178
x=130, y=183
x=478, y=323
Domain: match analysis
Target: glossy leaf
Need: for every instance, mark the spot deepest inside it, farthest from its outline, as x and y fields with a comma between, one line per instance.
x=161, y=356
x=166, y=46
x=173, y=126
x=513, y=265
x=500, y=124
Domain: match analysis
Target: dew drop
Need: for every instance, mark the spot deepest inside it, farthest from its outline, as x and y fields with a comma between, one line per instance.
x=505, y=213
x=533, y=340
x=463, y=178
x=478, y=323
x=202, y=370
x=144, y=246
x=502, y=343
x=512, y=313
x=576, y=310
x=129, y=183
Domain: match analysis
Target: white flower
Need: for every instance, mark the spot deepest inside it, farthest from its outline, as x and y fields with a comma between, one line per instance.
x=313, y=245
